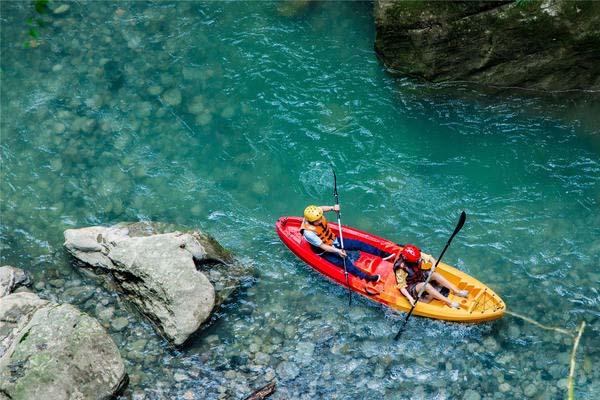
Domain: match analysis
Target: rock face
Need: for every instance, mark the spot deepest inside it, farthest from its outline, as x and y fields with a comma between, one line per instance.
x=12, y=278
x=551, y=45
x=52, y=351
x=156, y=271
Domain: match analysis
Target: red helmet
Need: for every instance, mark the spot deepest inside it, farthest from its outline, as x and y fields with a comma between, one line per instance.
x=411, y=253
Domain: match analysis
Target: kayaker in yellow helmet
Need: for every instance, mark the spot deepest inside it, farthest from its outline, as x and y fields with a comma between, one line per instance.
x=324, y=242
x=411, y=276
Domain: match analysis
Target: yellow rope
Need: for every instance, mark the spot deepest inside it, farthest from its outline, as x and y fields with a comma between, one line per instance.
x=570, y=389
x=550, y=328
x=572, y=370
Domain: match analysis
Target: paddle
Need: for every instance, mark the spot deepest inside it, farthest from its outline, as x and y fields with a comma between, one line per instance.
x=339, y=222
x=461, y=222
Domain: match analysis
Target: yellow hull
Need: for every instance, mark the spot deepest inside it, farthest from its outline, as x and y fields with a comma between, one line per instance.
x=481, y=305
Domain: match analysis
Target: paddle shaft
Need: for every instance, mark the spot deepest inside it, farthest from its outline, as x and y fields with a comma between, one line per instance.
x=461, y=222
x=339, y=222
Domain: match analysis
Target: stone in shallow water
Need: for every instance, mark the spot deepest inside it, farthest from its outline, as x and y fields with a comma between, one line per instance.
x=504, y=387
x=105, y=313
x=118, y=324
x=470, y=394
x=204, y=119
x=79, y=294
x=58, y=127
x=155, y=90
x=304, y=352
x=57, y=283
x=262, y=359
x=514, y=331
x=138, y=345
x=490, y=344
x=62, y=9
x=228, y=112
x=179, y=377
x=530, y=390
x=287, y=370
x=196, y=106
x=172, y=97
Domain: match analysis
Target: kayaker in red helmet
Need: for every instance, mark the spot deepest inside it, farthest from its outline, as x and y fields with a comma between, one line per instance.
x=324, y=242
x=411, y=277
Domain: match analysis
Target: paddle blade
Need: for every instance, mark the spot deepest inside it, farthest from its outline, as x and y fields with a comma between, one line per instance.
x=334, y=181
x=399, y=332
x=459, y=225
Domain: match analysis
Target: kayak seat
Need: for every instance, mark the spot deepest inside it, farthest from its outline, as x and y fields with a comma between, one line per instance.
x=368, y=263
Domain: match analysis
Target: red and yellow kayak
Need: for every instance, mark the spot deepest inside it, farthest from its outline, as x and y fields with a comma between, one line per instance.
x=481, y=305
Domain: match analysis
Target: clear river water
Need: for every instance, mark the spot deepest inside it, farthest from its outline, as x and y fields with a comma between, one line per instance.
x=225, y=116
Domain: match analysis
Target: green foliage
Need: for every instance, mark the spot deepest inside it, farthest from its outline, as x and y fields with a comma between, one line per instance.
x=524, y=3
x=41, y=8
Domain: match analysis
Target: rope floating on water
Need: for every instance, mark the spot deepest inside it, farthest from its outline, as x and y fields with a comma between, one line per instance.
x=531, y=321
x=570, y=389
x=572, y=370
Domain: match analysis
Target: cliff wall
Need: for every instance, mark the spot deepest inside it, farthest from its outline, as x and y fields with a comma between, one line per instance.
x=551, y=45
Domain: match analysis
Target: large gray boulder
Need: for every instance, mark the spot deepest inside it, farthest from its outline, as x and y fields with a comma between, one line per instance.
x=158, y=272
x=551, y=45
x=52, y=351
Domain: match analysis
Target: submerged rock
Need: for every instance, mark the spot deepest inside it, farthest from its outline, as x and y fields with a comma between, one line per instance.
x=159, y=272
x=546, y=45
x=54, y=351
x=293, y=8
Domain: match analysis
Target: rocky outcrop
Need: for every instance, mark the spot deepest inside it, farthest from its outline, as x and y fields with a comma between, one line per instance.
x=52, y=351
x=158, y=272
x=551, y=45
x=12, y=278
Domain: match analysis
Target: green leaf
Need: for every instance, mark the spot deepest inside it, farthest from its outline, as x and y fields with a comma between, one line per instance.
x=29, y=21
x=41, y=6
x=26, y=44
x=33, y=33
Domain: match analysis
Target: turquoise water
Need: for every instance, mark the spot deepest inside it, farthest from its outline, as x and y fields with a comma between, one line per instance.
x=225, y=116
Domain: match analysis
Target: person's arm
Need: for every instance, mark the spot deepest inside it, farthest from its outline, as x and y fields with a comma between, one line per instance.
x=332, y=249
x=313, y=239
x=408, y=296
x=401, y=285
x=330, y=208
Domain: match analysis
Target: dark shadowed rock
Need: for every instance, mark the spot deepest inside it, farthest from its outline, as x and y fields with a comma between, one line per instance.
x=549, y=45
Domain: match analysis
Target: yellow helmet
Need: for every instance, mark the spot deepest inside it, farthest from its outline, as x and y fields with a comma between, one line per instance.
x=312, y=213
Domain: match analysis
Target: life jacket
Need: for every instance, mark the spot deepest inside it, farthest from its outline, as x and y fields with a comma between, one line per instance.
x=414, y=272
x=323, y=231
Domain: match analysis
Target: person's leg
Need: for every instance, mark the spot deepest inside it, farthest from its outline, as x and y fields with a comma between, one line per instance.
x=433, y=292
x=444, y=282
x=350, y=267
x=352, y=244
x=426, y=298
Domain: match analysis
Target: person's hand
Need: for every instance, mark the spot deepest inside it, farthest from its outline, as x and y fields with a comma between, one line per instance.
x=336, y=207
x=342, y=253
x=411, y=301
x=427, y=258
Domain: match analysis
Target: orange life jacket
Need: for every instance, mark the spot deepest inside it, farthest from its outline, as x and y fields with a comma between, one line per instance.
x=323, y=231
